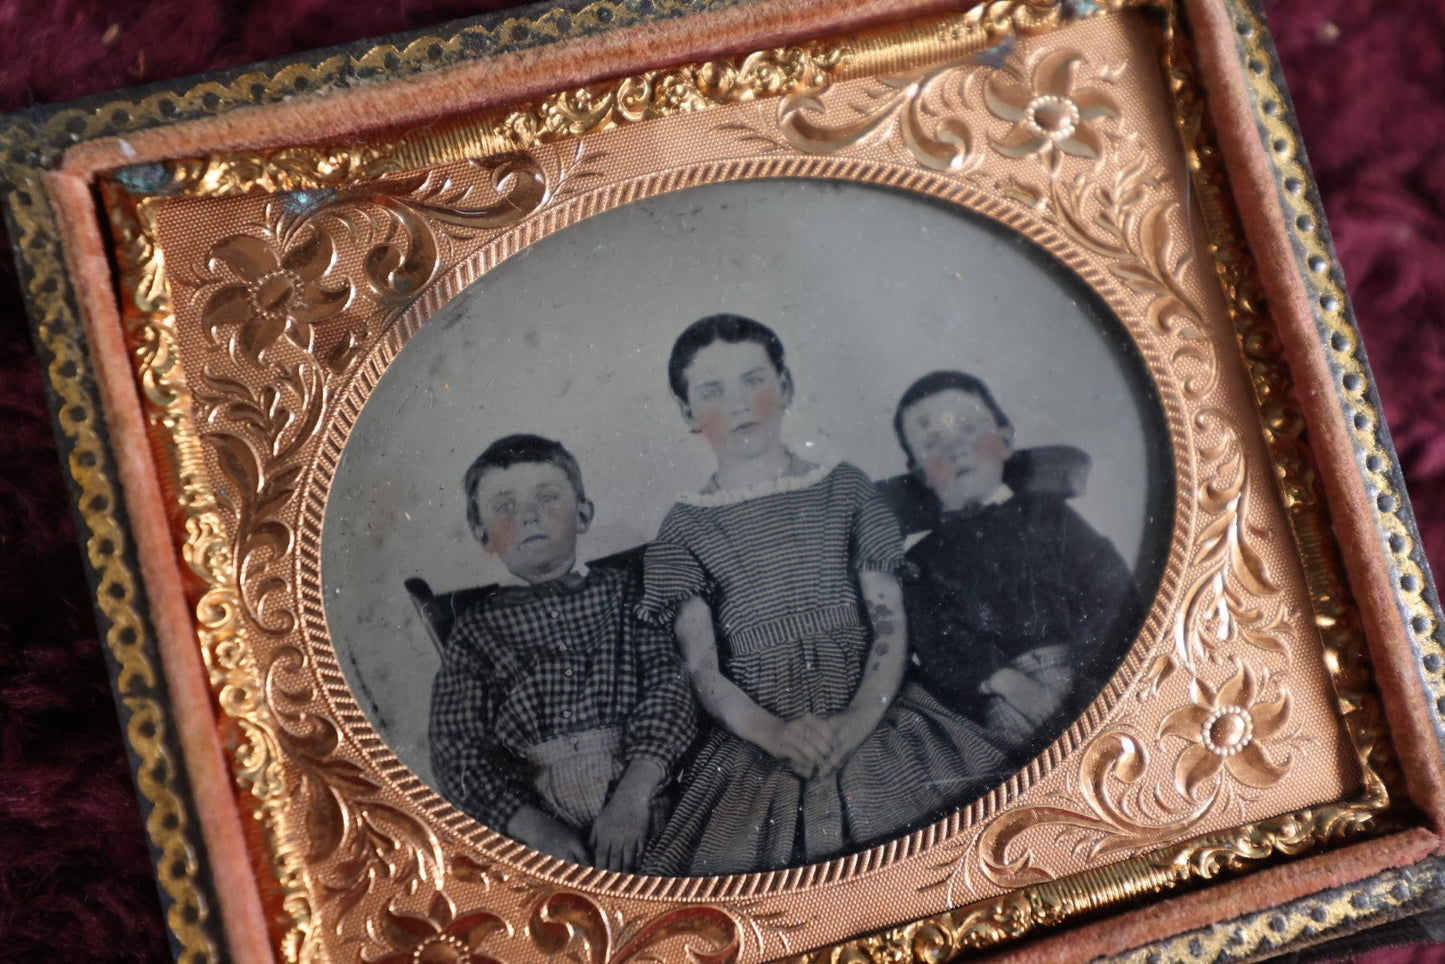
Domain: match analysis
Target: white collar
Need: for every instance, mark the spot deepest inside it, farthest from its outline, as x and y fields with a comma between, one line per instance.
x=754, y=490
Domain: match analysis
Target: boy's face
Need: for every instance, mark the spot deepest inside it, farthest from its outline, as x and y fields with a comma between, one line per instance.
x=958, y=447
x=736, y=398
x=531, y=518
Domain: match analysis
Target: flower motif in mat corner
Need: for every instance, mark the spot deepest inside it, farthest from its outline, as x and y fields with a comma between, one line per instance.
x=1228, y=729
x=438, y=938
x=278, y=291
x=1051, y=113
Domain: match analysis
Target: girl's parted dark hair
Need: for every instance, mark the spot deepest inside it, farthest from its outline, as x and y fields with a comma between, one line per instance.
x=726, y=328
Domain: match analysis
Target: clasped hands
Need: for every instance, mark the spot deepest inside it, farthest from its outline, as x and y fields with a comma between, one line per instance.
x=815, y=746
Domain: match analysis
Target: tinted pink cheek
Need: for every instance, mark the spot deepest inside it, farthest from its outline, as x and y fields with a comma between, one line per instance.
x=559, y=522
x=765, y=405
x=713, y=426
x=939, y=471
x=990, y=447
x=501, y=535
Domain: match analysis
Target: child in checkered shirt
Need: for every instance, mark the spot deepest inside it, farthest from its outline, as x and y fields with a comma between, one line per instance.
x=556, y=716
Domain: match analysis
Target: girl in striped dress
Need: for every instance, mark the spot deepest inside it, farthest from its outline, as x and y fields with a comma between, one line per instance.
x=780, y=580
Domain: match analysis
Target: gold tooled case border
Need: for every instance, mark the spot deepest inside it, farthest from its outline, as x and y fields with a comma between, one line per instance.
x=1323, y=917
x=183, y=875
x=33, y=142
x=1416, y=598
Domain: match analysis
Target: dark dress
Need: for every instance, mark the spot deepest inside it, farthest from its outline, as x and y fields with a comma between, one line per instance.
x=1006, y=580
x=778, y=567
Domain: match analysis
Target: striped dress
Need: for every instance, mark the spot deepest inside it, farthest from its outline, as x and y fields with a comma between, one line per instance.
x=778, y=567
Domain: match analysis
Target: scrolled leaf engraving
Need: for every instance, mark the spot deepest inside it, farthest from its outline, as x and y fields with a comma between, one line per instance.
x=926, y=106
x=258, y=438
x=1226, y=599
x=707, y=935
x=437, y=935
x=570, y=925
x=1121, y=811
x=368, y=844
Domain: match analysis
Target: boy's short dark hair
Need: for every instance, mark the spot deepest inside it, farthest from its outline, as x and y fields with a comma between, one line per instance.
x=726, y=328
x=518, y=450
x=942, y=381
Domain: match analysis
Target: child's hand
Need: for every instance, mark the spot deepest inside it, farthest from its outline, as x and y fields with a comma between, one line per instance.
x=850, y=730
x=544, y=832
x=619, y=832
x=1022, y=693
x=805, y=743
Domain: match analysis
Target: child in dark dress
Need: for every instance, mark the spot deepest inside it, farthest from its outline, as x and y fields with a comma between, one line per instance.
x=1020, y=606
x=557, y=715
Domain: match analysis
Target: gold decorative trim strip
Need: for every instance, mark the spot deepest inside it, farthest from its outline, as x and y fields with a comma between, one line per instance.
x=234, y=676
x=1335, y=613
x=611, y=104
x=138, y=684
x=1413, y=588
x=1386, y=896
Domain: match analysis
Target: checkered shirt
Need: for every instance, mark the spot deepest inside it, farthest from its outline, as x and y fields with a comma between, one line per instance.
x=526, y=665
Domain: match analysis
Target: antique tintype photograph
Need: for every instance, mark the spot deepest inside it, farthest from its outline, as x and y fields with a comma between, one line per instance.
x=747, y=526
x=738, y=481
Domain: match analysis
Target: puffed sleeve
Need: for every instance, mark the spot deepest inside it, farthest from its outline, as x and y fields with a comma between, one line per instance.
x=671, y=573
x=877, y=542
x=474, y=772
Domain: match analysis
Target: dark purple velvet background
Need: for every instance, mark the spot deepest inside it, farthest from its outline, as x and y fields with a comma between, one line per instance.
x=75, y=878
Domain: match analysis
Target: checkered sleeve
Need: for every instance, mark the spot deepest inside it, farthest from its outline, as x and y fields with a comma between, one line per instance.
x=474, y=771
x=664, y=721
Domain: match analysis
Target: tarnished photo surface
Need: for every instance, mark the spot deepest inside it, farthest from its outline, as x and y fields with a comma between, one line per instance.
x=897, y=317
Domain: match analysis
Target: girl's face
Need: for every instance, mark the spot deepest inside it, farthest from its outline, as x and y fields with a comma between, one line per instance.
x=736, y=399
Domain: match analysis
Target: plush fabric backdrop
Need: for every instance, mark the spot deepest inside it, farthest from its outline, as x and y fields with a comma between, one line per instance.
x=75, y=877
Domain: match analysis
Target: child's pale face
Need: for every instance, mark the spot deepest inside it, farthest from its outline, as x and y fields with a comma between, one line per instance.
x=736, y=399
x=531, y=517
x=958, y=445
